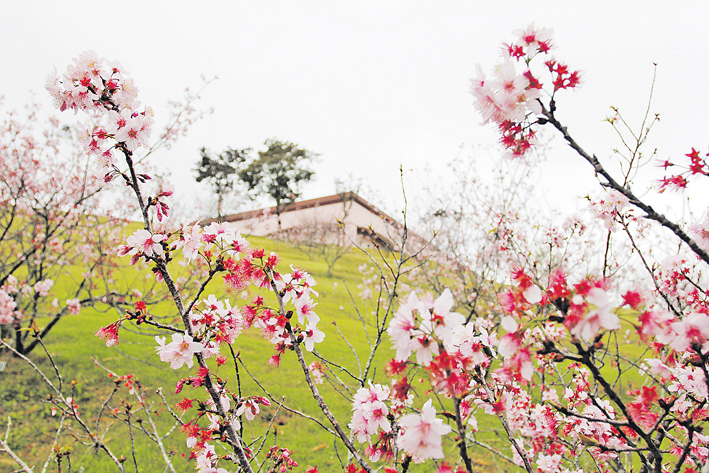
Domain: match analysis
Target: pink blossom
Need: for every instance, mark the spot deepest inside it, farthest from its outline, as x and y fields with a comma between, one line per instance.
x=532, y=294
x=471, y=346
x=207, y=460
x=656, y=323
x=249, y=408
x=506, y=97
x=7, y=308
x=74, y=306
x=118, y=120
x=305, y=281
x=437, y=317
x=610, y=207
x=178, y=352
x=535, y=39
x=600, y=317
x=426, y=348
x=305, y=310
x=191, y=242
x=133, y=134
x=548, y=463
x=316, y=372
x=11, y=284
x=693, y=329
x=658, y=368
x=142, y=242
x=521, y=362
x=109, y=334
x=370, y=412
x=43, y=287
x=219, y=232
x=403, y=328
x=511, y=342
x=701, y=233
x=312, y=335
x=422, y=433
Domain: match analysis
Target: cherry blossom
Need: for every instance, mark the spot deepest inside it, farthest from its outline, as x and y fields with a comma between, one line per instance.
x=370, y=412
x=691, y=330
x=422, y=433
x=74, y=306
x=43, y=287
x=311, y=336
x=7, y=308
x=316, y=372
x=109, y=334
x=598, y=318
x=180, y=351
x=548, y=463
x=142, y=242
x=701, y=231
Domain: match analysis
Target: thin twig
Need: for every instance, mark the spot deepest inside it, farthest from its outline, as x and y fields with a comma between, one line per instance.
x=158, y=439
x=4, y=447
x=650, y=213
x=294, y=411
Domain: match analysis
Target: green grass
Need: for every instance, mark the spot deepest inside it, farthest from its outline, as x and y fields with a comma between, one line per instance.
x=73, y=346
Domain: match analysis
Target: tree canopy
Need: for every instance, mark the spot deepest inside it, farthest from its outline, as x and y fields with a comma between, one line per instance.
x=278, y=172
x=220, y=170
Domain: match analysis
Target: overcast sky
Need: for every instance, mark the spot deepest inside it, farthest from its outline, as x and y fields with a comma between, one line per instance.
x=372, y=85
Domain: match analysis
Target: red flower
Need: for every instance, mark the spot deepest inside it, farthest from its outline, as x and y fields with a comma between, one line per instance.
x=184, y=404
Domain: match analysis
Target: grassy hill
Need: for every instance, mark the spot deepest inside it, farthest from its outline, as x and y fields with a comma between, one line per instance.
x=74, y=348
x=76, y=351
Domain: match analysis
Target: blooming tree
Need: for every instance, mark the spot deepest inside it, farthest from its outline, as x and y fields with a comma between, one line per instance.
x=55, y=216
x=48, y=223
x=579, y=372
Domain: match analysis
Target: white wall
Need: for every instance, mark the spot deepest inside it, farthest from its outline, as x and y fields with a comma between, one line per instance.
x=357, y=216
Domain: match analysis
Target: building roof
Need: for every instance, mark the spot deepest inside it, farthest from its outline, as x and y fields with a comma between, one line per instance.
x=306, y=204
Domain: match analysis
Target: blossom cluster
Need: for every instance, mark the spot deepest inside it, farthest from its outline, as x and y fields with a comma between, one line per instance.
x=511, y=98
x=214, y=322
x=494, y=368
x=103, y=89
x=697, y=166
x=418, y=434
x=13, y=290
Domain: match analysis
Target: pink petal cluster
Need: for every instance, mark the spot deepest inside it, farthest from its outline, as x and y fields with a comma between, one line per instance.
x=610, y=207
x=217, y=236
x=691, y=330
x=109, y=334
x=74, y=306
x=420, y=324
x=370, y=412
x=101, y=87
x=316, y=373
x=142, y=242
x=701, y=233
x=598, y=318
x=505, y=97
x=43, y=287
x=422, y=434
x=7, y=307
x=311, y=336
x=180, y=351
x=207, y=460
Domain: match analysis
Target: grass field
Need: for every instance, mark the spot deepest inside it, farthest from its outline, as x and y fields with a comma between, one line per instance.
x=74, y=348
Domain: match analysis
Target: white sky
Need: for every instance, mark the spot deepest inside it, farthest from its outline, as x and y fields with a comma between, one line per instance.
x=372, y=85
